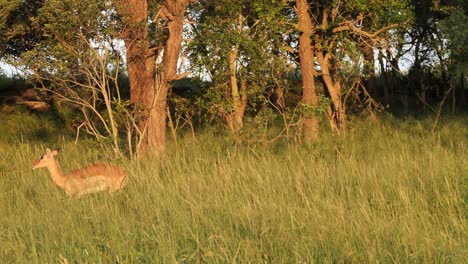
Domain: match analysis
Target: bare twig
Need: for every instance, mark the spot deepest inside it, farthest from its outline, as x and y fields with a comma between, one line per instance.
x=439, y=110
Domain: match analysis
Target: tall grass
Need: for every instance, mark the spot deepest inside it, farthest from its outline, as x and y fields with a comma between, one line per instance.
x=387, y=192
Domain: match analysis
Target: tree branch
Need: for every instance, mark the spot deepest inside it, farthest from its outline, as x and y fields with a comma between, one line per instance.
x=349, y=26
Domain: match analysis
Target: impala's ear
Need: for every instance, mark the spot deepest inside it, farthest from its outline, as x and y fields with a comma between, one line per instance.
x=52, y=152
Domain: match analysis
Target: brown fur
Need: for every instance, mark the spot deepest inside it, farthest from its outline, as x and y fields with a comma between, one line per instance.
x=98, y=169
x=93, y=178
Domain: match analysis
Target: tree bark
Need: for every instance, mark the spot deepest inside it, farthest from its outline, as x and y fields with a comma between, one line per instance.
x=173, y=11
x=338, y=117
x=238, y=96
x=461, y=93
x=306, y=58
x=386, y=84
x=148, y=89
x=140, y=65
x=370, y=81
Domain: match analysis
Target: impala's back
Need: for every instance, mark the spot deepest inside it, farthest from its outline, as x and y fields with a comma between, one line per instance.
x=96, y=178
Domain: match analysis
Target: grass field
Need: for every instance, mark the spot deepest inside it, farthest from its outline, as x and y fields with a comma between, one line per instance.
x=386, y=192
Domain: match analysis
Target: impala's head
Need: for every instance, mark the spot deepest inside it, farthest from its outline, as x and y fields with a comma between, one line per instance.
x=46, y=159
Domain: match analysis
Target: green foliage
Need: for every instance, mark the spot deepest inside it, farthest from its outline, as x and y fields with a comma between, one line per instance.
x=384, y=192
x=61, y=40
x=255, y=29
x=309, y=111
x=78, y=64
x=69, y=27
x=19, y=30
x=456, y=33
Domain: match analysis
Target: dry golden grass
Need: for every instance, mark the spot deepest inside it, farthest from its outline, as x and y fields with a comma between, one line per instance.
x=388, y=192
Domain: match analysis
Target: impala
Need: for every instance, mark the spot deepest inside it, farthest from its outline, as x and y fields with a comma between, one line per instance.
x=94, y=178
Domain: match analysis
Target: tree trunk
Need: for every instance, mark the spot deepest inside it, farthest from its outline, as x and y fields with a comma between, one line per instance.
x=461, y=93
x=140, y=65
x=234, y=118
x=174, y=12
x=239, y=98
x=306, y=57
x=370, y=81
x=148, y=92
x=386, y=84
x=234, y=91
x=334, y=90
x=418, y=82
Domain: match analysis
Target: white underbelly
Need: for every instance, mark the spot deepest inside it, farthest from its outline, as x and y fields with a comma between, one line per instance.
x=89, y=185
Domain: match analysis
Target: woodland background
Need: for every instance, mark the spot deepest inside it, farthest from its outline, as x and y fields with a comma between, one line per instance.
x=252, y=131
x=118, y=70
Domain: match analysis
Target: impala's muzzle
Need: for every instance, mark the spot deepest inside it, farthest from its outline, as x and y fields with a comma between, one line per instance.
x=35, y=164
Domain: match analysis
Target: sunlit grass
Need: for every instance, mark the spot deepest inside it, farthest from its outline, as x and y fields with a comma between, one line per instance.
x=384, y=192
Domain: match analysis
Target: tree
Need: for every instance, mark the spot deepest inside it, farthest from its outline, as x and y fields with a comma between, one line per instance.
x=457, y=44
x=335, y=30
x=152, y=32
x=19, y=30
x=306, y=30
x=76, y=63
x=435, y=40
x=232, y=42
x=150, y=77
x=379, y=15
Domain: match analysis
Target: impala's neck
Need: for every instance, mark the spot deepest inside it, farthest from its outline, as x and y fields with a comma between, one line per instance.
x=56, y=174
